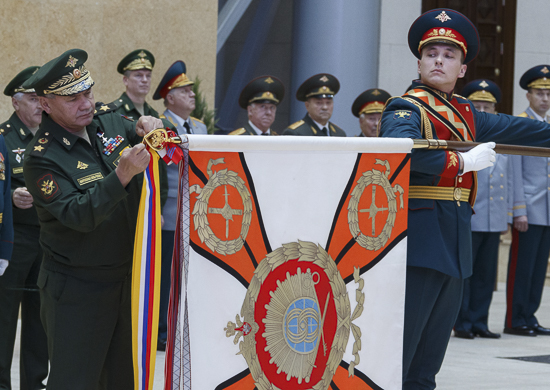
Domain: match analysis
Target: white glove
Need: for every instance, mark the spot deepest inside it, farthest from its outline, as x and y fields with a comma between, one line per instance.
x=3, y=265
x=480, y=157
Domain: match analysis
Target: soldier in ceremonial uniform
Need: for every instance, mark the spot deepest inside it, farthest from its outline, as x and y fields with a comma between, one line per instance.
x=83, y=169
x=368, y=108
x=531, y=230
x=493, y=212
x=317, y=92
x=179, y=99
x=260, y=98
x=18, y=286
x=136, y=69
x=442, y=183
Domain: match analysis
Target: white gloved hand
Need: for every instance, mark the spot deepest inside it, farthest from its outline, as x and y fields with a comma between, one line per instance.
x=3, y=265
x=480, y=157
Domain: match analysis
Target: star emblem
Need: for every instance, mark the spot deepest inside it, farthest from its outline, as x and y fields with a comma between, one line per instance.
x=38, y=148
x=71, y=62
x=376, y=92
x=443, y=17
x=545, y=70
x=269, y=80
x=324, y=79
x=483, y=84
x=142, y=54
x=104, y=107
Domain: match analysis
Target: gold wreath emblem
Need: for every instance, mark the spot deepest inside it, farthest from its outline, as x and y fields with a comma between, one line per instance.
x=377, y=179
x=282, y=309
x=47, y=187
x=201, y=210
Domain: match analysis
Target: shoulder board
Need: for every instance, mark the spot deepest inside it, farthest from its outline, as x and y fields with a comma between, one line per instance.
x=333, y=126
x=295, y=125
x=458, y=96
x=274, y=133
x=197, y=120
x=5, y=128
x=41, y=144
x=523, y=115
x=102, y=108
x=238, y=131
x=161, y=116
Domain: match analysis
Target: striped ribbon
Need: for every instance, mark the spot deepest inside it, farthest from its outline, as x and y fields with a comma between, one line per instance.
x=146, y=278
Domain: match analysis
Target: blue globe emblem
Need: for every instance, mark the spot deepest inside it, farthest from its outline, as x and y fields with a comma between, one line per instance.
x=301, y=325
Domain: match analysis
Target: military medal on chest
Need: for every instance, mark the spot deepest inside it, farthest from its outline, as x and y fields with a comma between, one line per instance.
x=18, y=154
x=109, y=144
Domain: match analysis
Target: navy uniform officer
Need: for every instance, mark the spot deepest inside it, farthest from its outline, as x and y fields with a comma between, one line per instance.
x=176, y=89
x=368, y=107
x=317, y=92
x=136, y=68
x=531, y=231
x=85, y=179
x=442, y=183
x=18, y=286
x=493, y=211
x=260, y=99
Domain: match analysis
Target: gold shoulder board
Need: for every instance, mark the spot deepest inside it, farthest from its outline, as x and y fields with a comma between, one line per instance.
x=238, y=131
x=197, y=120
x=295, y=125
x=523, y=115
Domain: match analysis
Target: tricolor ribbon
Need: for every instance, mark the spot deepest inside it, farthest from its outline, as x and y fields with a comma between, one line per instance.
x=147, y=262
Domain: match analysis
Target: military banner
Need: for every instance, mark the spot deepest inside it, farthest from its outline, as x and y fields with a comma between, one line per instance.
x=290, y=264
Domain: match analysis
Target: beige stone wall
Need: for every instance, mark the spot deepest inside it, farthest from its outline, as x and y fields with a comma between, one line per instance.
x=33, y=32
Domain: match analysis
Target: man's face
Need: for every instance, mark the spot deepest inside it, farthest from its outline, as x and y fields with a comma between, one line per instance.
x=440, y=66
x=72, y=112
x=138, y=82
x=262, y=115
x=485, y=107
x=320, y=109
x=28, y=109
x=182, y=101
x=539, y=100
x=369, y=123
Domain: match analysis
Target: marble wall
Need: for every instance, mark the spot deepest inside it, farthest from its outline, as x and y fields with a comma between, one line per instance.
x=33, y=32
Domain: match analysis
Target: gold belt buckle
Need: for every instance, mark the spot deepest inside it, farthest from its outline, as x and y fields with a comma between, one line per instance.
x=457, y=194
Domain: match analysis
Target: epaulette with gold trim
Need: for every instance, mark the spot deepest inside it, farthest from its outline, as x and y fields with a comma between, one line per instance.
x=161, y=116
x=458, y=96
x=240, y=131
x=5, y=128
x=196, y=119
x=102, y=108
x=333, y=126
x=523, y=115
x=295, y=125
x=41, y=144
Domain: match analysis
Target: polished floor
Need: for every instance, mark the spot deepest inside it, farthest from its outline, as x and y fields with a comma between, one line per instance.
x=469, y=364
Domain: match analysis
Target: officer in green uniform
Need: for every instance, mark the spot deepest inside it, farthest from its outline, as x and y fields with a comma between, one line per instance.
x=368, y=107
x=317, y=92
x=18, y=285
x=83, y=168
x=136, y=69
x=260, y=98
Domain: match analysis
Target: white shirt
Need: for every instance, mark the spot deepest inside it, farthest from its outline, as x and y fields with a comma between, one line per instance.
x=257, y=130
x=321, y=126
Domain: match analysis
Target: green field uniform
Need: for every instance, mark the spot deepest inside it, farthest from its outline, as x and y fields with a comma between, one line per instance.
x=126, y=107
x=18, y=285
x=307, y=127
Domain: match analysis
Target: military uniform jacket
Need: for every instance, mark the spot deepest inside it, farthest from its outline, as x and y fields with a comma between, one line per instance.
x=493, y=208
x=307, y=127
x=439, y=234
x=17, y=136
x=532, y=185
x=169, y=212
x=6, y=212
x=126, y=107
x=87, y=217
x=249, y=130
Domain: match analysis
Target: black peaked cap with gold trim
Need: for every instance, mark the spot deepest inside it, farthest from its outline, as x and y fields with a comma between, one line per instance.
x=482, y=90
x=262, y=89
x=444, y=26
x=174, y=77
x=136, y=60
x=321, y=85
x=369, y=102
x=537, y=77
x=64, y=75
x=15, y=85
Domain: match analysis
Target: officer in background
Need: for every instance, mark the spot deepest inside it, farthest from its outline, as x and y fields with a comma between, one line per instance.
x=317, y=92
x=260, y=98
x=83, y=169
x=136, y=69
x=18, y=285
x=179, y=99
x=493, y=210
x=531, y=231
x=368, y=108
